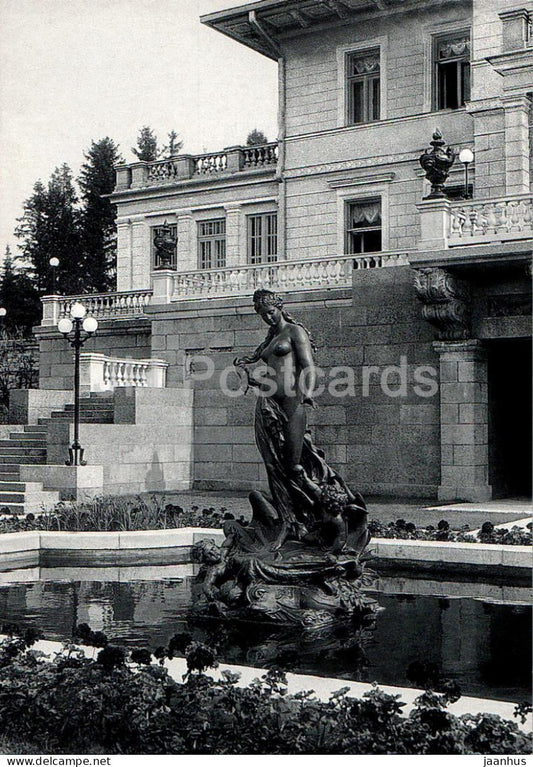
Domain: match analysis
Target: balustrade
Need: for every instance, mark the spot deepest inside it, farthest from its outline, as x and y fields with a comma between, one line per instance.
x=259, y=156
x=99, y=372
x=206, y=164
x=183, y=167
x=506, y=218
x=311, y=274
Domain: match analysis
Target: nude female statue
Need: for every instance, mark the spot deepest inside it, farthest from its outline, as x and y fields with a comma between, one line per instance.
x=284, y=390
x=290, y=373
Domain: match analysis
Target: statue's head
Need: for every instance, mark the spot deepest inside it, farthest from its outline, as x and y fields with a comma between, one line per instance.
x=269, y=305
x=333, y=500
x=206, y=552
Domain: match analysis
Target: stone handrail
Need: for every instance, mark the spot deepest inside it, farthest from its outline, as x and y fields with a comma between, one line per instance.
x=186, y=166
x=478, y=221
x=310, y=274
x=101, y=373
x=100, y=305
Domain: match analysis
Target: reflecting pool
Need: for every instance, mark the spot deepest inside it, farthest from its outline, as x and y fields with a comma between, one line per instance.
x=478, y=634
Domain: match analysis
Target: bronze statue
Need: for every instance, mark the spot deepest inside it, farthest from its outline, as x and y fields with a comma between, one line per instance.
x=165, y=246
x=300, y=559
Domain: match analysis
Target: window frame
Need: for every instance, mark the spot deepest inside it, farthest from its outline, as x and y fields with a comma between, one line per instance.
x=263, y=238
x=436, y=98
x=348, y=231
x=367, y=80
x=214, y=239
x=378, y=44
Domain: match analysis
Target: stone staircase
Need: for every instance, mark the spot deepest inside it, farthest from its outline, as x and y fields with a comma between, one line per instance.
x=23, y=447
x=29, y=447
x=96, y=408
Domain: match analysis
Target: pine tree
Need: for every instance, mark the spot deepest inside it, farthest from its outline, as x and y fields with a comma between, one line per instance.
x=174, y=146
x=146, y=148
x=256, y=138
x=98, y=217
x=50, y=226
x=19, y=297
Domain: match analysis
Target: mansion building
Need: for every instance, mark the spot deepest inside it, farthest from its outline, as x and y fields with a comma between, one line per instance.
x=395, y=281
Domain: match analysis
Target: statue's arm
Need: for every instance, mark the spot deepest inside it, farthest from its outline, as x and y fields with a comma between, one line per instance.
x=305, y=365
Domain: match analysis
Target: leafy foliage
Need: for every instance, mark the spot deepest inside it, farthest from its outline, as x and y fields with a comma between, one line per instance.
x=516, y=536
x=74, y=704
x=18, y=367
x=256, y=138
x=113, y=513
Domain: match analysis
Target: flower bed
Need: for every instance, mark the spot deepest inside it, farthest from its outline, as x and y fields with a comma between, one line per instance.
x=127, y=704
x=120, y=513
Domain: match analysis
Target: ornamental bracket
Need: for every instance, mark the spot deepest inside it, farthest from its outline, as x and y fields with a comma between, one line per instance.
x=446, y=302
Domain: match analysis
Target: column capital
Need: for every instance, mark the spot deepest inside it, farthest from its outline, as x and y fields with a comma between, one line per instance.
x=472, y=347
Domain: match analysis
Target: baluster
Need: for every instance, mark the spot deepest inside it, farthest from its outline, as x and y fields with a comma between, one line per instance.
x=527, y=211
x=513, y=217
x=107, y=374
x=489, y=213
x=457, y=221
x=128, y=374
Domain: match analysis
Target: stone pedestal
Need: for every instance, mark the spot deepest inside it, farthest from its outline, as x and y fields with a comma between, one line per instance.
x=162, y=286
x=434, y=224
x=464, y=421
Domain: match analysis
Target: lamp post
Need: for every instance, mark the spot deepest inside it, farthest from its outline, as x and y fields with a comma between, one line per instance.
x=74, y=328
x=466, y=156
x=54, y=263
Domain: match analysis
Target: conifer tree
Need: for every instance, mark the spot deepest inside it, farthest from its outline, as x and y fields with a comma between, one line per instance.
x=98, y=216
x=19, y=297
x=146, y=148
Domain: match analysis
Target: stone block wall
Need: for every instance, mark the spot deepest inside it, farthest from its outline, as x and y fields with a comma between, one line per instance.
x=123, y=338
x=149, y=450
x=383, y=437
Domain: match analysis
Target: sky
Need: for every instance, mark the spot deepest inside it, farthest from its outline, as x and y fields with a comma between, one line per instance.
x=74, y=71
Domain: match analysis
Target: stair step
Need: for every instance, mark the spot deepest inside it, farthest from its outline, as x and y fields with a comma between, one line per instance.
x=20, y=436
x=6, y=498
x=22, y=445
x=9, y=476
x=14, y=461
x=9, y=449
x=30, y=428
x=12, y=486
x=107, y=418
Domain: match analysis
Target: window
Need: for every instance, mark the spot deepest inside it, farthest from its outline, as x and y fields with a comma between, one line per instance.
x=363, y=86
x=262, y=238
x=164, y=246
x=452, y=71
x=212, y=244
x=363, y=226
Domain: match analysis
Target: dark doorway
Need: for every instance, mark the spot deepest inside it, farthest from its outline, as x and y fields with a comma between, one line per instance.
x=510, y=414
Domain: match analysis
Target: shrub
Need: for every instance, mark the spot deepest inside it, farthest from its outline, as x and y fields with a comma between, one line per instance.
x=77, y=705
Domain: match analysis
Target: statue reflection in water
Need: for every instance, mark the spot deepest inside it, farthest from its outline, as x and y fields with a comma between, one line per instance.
x=300, y=560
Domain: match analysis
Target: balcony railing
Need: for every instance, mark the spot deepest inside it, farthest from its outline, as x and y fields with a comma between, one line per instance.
x=185, y=167
x=100, y=373
x=100, y=305
x=311, y=274
x=504, y=218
